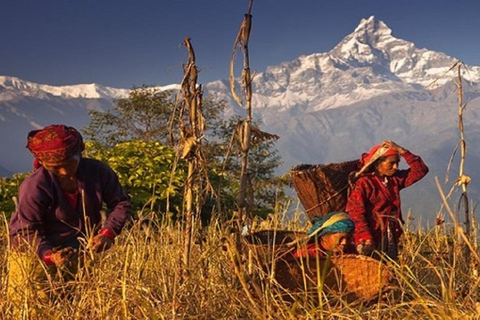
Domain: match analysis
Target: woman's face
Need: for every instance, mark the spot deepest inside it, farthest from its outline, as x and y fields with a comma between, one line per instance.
x=335, y=242
x=64, y=169
x=389, y=166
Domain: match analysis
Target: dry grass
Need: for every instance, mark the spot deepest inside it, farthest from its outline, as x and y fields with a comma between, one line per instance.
x=142, y=278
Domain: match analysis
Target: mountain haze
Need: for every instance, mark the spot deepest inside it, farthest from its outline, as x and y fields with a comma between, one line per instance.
x=326, y=107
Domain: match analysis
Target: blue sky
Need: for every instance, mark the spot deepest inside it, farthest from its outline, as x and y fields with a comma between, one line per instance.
x=129, y=43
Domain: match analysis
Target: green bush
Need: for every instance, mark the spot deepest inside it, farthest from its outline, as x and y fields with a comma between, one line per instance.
x=8, y=190
x=145, y=171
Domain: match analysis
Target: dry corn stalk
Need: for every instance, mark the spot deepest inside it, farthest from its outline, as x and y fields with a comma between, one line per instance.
x=244, y=129
x=462, y=179
x=190, y=136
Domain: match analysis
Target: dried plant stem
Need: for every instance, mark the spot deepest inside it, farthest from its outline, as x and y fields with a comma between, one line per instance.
x=190, y=136
x=243, y=129
x=463, y=149
x=189, y=214
x=463, y=180
x=244, y=280
x=458, y=228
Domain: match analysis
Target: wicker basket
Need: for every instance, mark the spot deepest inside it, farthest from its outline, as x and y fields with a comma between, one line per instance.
x=322, y=188
x=352, y=277
x=273, y=244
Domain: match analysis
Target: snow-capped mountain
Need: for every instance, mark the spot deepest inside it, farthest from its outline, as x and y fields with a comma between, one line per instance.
x=368, y=62
x=372, y=45
x=326, y=107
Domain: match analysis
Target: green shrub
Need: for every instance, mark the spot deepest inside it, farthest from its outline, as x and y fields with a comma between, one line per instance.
x=8, y=190
x=145, y=171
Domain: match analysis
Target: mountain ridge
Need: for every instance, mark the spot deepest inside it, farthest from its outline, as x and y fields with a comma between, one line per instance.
x=41, y=91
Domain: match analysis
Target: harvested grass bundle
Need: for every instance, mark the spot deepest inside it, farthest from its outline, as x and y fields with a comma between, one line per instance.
x=352, y=277
x=322, y=188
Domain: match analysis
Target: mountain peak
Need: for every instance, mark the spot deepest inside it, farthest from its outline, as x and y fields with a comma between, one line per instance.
x=366, y=44
x=370, y=33
x=372, y=26
x=371, y=45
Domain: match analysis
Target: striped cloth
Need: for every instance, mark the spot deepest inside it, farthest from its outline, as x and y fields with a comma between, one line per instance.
x=333, y=222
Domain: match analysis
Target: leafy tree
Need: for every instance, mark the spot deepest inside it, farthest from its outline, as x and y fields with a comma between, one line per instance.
x=146, y=114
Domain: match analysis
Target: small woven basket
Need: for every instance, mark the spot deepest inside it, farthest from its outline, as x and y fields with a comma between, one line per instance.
x=268, y=244
x=322, y=188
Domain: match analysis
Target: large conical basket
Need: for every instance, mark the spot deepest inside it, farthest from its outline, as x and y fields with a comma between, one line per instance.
x=351, y=277
x=322, y=188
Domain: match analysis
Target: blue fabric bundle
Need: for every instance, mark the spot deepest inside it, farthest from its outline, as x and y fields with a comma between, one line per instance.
x=333, y=222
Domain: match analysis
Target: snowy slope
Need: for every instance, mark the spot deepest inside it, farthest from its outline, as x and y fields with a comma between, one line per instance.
x=12, y=87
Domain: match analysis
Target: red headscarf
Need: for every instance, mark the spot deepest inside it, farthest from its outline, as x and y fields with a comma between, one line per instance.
x=54, y=143
x=366, y=157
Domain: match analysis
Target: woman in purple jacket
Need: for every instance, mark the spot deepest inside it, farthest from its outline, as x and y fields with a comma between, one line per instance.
x=60, y=203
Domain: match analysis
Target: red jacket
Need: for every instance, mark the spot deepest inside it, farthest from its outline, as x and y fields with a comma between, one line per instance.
x=371, y=204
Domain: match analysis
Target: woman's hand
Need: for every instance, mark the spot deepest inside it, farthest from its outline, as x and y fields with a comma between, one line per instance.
x=62, y=256
x=389, y=144
x=101, y=243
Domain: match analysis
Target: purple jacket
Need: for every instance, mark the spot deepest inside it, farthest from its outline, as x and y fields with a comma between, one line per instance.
x=45, y=218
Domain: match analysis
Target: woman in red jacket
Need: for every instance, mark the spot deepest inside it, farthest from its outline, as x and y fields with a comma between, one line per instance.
x=374, y=201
